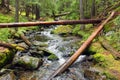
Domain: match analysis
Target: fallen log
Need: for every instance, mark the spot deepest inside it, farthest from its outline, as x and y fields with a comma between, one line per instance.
x=12, y=46
x=25, y=40
x=108, y=47
x=63, y=22
x=75, y=56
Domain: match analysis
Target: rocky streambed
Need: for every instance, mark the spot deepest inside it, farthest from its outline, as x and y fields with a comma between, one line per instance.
x=46, y=54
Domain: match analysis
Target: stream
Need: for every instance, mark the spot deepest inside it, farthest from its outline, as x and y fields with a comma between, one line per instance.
x=62, y=47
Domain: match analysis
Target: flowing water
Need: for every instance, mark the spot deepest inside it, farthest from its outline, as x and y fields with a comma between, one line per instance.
x=61, y=47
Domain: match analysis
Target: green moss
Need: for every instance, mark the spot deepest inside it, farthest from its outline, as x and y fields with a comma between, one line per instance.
x=96, y=47
x=5, y=57
x=52, y=57
x=76, y=29
x=62, y=30
x=99, y=57
x=109, y=76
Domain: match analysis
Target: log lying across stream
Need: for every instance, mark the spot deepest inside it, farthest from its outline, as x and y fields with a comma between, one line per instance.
x=62, y=22
x=75, y=56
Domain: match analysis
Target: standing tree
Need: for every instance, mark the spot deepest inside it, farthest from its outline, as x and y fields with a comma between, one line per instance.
x=82, y=14
x=16, y=12
x=37, y=12
x=93, y=8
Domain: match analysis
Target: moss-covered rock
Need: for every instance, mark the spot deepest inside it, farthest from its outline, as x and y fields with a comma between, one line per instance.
x=62, y=30
x=28, y=62
x=52, y=57
x=5, y=56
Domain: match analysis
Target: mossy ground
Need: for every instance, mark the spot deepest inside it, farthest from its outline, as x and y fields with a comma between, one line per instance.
x=5, y=33
x=104, y=61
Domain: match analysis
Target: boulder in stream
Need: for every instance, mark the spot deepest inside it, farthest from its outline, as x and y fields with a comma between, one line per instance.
x=28, y=62
x=41, y=44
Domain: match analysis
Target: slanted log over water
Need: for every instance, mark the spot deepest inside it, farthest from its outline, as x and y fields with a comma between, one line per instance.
x=63, y=22
x=75, y=56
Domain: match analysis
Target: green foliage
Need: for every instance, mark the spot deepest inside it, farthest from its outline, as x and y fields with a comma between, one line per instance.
x=76, y=29
x=4, y=34
x=83, y=34
x=113, y=35
x=5, y=18
x=117, y=21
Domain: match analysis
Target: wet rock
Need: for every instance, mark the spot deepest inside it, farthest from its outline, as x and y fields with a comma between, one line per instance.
x=52, y=57
x=23, y=44
x=46, y=52
x=27, y=75
x=37, y=53
x=8, y=76
x=28, y=62
x=38, y=43
x=5, y=56
x=93, y=74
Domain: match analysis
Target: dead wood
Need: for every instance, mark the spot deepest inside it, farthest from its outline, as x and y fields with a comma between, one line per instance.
x=12, y=46
x=25, y=39
x=62, y=22
x=75, y=56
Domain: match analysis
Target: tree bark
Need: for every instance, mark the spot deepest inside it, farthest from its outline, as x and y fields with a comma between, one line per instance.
x=82, y=14
x=75, y=56
x=2, y=3
x=25, y=40
x=62, y=22
x=93, y=9
x=37, y=12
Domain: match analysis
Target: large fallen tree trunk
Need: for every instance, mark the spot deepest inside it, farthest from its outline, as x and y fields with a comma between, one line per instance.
x=75, y=56
x=63, y=22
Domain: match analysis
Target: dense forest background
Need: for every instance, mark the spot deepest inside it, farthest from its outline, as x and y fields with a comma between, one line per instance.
x=105, y=49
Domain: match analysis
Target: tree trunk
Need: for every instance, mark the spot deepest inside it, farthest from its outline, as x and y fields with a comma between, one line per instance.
x=37, y=12
x=93, y=9
x=3, y=3
x=63, y=22
x=16, y=12
x=75, y=56
x=27, y=11
x=82, y=13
